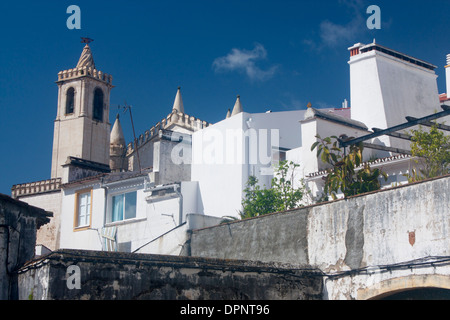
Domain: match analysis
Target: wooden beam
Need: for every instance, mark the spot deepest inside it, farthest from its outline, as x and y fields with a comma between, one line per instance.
x=384, y=148
x=395, y=134
x=409, y=124
x=430, y=124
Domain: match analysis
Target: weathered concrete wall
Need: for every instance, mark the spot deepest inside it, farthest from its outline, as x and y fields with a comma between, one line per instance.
x=113, y=275
x=380, y=228
x=18, y=224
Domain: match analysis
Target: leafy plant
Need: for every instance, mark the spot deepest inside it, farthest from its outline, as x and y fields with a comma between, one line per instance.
x=283, y=184
x=258, y=201
x=432, y=151
x=281, y=196
x=345, y=173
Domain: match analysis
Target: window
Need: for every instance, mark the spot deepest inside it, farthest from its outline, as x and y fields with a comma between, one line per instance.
x=123, y=206
x=98, y=105
x=83, y=208
x=70, y=100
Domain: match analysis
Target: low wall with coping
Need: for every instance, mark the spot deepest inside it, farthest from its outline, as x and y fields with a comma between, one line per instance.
x=99, y=275
x=383, y=228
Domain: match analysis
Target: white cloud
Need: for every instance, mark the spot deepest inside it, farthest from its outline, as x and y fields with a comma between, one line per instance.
x=332, y=34
x=245, y=61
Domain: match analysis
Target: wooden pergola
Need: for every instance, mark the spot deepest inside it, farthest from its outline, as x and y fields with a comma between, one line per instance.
x=393, y=132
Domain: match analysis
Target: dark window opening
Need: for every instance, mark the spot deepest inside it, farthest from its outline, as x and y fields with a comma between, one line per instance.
x=98, y=105
x=70, y=100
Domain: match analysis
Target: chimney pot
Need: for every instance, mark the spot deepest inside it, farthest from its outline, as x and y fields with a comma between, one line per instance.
x=354, y=50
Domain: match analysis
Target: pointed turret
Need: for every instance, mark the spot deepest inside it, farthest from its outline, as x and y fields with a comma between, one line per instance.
x=86, y=58
x=117, y=147
x=117, y=137
x=178, y=103
x=237, y=106
x=228, y=114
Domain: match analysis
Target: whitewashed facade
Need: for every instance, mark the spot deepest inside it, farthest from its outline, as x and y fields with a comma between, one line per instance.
x=125, y=212
x=146, y=199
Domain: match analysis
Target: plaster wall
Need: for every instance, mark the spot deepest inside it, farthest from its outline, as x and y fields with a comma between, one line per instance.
x=48, y=235
x=384, y=90
x=380, y=228
x=227, y=153
x=157, y=213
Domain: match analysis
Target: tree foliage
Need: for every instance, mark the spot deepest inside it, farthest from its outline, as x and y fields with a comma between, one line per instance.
x=432, y=151
x=347, y=173
x=281, y=196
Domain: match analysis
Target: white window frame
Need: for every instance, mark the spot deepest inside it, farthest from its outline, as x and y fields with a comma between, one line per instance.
x=86, y=215
x=124, y=206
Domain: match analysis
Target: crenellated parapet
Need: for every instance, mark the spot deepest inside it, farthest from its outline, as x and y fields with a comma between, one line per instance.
x=84, y=71
x=173, y=120
x=38, y=187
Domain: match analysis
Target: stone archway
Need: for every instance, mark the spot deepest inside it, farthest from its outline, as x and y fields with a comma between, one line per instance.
x=412, y=287
x=420, y=294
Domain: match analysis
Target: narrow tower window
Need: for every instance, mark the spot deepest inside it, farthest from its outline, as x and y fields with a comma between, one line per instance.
x=70, y=100
x=98, y=105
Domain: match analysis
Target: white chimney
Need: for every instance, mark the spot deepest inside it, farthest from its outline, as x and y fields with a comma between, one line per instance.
x=447, y=75
x=386, y=86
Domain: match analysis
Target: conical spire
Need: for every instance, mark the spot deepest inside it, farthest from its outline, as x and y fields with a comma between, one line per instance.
x=228, y=114
x=86, y=59
x=178, y=103
x=117, y=138
x=117, y=148
x=237, y=106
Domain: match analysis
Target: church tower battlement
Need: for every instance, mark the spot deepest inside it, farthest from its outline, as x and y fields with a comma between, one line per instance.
x=82, y=127
x=79, y=72
x=177, y=121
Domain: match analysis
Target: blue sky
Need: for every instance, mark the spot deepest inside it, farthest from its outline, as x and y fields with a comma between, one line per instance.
x=276, y=55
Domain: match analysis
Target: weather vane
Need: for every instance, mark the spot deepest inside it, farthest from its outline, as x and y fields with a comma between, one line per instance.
x=86, y=40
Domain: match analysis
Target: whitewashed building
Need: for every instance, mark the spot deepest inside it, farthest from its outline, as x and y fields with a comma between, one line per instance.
x=226, y=154
x=124, y=211
x=386, y=87
x=184, y=173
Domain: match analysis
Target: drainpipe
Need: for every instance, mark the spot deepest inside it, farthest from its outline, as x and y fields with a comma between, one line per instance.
x=180, y=203
x=105, y=201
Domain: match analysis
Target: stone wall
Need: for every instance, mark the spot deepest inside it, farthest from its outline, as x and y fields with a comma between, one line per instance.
x=49, y=234
x=389, y=228
x=383, y=227
x=120, y=276
x=18, y=224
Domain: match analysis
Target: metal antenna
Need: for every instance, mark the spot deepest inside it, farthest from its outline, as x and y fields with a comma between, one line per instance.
x=125, y=108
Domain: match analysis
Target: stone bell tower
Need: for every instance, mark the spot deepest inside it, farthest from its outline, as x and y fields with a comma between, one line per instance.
x=82, y=127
